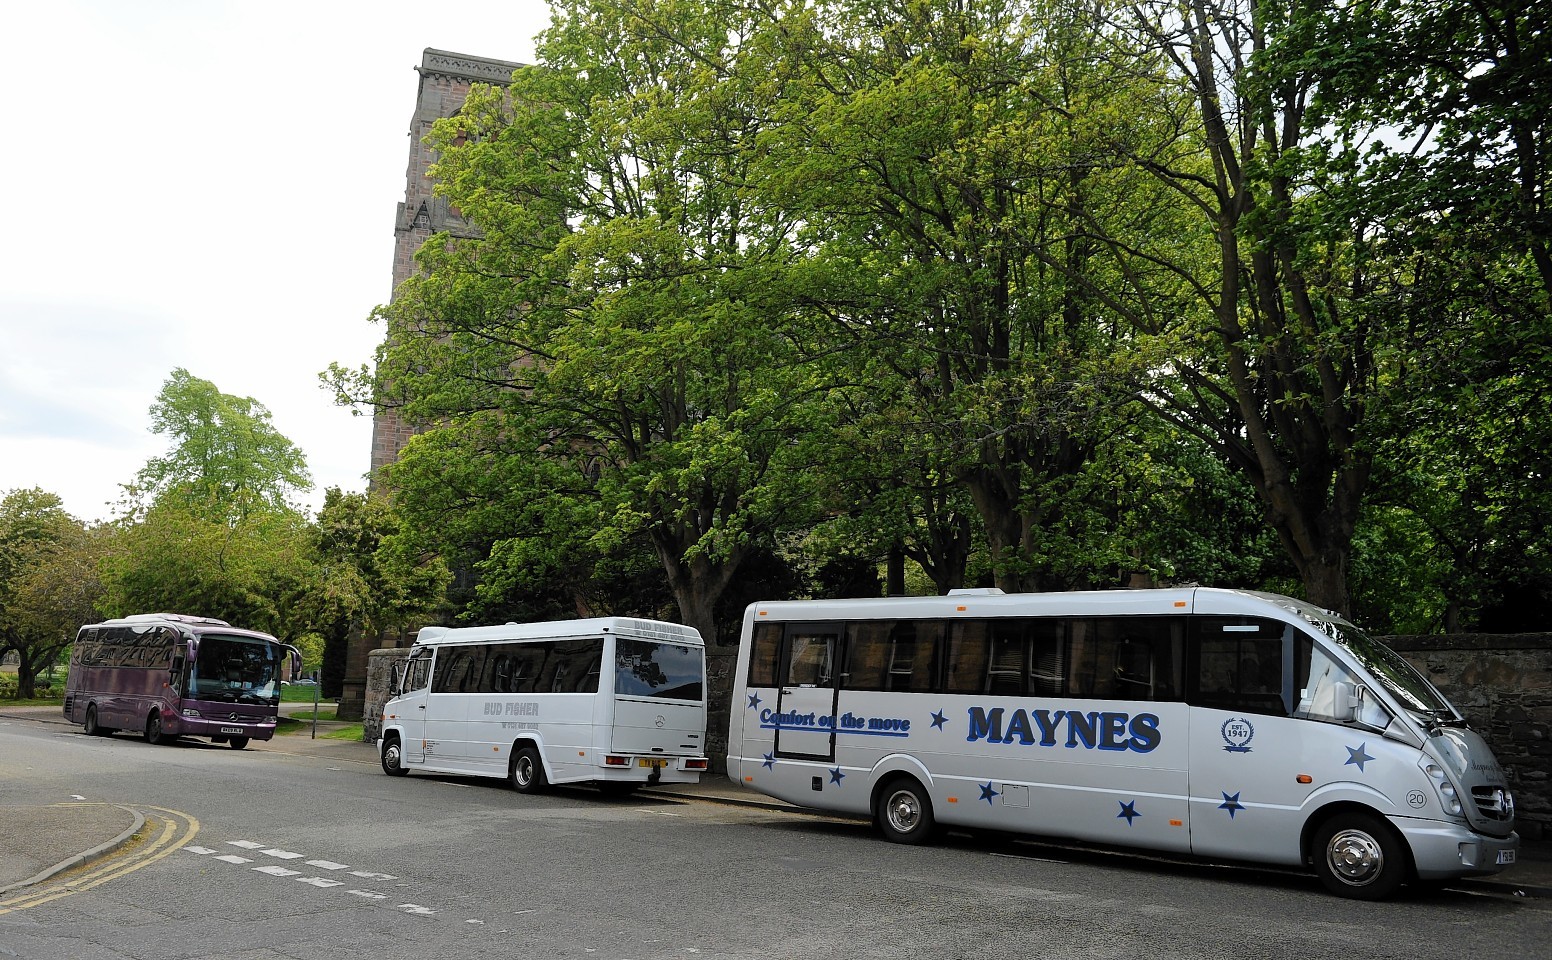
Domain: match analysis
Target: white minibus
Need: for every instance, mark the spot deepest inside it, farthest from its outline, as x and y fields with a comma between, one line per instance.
x=1212, y=723
x=614, y=701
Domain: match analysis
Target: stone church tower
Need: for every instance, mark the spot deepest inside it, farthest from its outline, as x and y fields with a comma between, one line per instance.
x=445, y=79
x=444, y=83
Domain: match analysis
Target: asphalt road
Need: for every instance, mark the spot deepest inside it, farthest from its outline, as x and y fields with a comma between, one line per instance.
x=263, y=854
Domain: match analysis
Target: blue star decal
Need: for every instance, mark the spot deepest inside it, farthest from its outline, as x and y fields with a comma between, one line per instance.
x=1129, y=811
x=987, y=793
x=770, y=761
x=938, y=720
x=1231, y=804
x=836, y=776
x=1358, y=756
x=754, y=700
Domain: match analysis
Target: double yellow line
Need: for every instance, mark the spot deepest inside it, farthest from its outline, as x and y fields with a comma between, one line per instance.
x=164, y=832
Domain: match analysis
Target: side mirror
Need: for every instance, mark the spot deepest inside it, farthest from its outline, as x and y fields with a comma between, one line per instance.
x=1348, y=701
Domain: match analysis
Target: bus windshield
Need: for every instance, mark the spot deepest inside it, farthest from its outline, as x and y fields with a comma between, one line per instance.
x=1399, y=678
x=233, y=669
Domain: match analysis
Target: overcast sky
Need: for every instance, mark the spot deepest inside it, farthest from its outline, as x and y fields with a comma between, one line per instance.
x=206, y=184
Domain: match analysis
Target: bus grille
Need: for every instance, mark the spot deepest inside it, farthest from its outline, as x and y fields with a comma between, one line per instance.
x=1494, y=803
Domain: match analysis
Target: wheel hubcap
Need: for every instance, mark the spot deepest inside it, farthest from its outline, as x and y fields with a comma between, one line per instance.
x=1355, y=856
x=904, y=811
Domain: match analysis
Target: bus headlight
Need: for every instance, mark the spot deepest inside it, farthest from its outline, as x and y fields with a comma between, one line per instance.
x=190, y=712
x=1449, y=798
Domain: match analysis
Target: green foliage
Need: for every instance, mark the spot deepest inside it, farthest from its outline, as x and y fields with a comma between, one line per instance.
x=778, y=295
x=227, y=462
x=246, y=573
x=360, y=580
x=48, y=580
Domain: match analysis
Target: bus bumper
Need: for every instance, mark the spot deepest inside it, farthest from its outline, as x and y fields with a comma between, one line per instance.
x=1442, y=850
x=218, y=729
x=618, y=768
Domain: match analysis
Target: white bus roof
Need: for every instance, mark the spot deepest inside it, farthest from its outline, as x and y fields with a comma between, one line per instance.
x=562, y=629
x=995, y=603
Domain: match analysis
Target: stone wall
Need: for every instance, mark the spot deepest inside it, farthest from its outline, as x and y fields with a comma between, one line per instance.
x=1502, y=683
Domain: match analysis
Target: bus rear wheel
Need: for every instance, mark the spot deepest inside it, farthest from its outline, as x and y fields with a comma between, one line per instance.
x=904, y=813
x=93, y=728
x=527, y=773
x=1357, y=855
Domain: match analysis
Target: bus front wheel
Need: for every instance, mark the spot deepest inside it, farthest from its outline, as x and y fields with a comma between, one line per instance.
x=904, y=811
x=238, y=743
x=153, y=730
x=527, y=771
x=393, y=758
x=1358, y=855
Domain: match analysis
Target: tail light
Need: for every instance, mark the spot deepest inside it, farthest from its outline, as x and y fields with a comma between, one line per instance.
x=612, y=761
x=695, y=763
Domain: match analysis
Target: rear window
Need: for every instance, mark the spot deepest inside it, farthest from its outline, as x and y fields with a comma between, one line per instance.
x=643, y=668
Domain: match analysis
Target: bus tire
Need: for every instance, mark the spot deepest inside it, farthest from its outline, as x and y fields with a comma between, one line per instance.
x=1358, y=855
x=238, y=743
x=527, y=773
x=393, y=757
x=904, y=813
x=153, y=730
x=93, y=728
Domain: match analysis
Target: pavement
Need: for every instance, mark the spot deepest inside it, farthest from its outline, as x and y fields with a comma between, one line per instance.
x=38, y=842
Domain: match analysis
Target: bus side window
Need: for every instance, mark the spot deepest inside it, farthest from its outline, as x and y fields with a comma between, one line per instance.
x=1239, y=665
x=764, y=654
x=915, y=647
x=968, y=664
x=416, y=672
x=868, y=655
x=811, y=660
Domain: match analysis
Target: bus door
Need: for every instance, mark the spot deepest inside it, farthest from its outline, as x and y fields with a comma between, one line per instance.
x=413, y=694
x=1246, y=748
x=805, y=703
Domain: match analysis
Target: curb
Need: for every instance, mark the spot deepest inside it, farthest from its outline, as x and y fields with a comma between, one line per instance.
x=86, y=856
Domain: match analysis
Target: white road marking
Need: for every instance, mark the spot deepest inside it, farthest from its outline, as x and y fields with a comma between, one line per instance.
x=321, y=882
x=245, y=844
x=327, y=864
x=416, y=909
x=278, y=871
x=282, y=854
x=368, y=875
x=369, y=894
x=202, y=851
x=233, y=858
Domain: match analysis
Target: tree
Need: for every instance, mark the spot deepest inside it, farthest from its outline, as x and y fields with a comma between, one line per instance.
x=48, y=580
x=1452, y=104
x=615, y=315
x=227, y=462
x=941, y=156
x=249, y=574
x=361, y=581
x=1281, y=361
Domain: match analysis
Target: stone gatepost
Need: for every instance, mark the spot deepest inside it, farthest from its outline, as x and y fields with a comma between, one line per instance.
x=379, y=678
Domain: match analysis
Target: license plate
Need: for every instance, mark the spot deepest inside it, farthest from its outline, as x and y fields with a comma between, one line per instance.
x=236, y=730
x=648, y=762
x=1506, y=856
